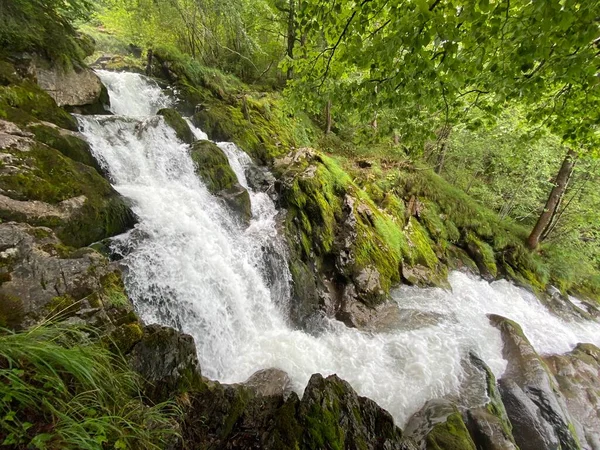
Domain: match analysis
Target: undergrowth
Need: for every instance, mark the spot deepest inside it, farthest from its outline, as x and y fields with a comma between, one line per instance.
x=59, y=390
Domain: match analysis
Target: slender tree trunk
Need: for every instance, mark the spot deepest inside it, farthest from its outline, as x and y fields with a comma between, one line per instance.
x=291, y=35
x=439, y=165
x=328, y=120
x=149, y=62
x=553, y=203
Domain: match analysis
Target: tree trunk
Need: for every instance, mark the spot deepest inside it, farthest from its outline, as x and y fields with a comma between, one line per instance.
x=556, y=195
x=328, y=117
x=149, y=63
x=439, y=165
x=291, y=35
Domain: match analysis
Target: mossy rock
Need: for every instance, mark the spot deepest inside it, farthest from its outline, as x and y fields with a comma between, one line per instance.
x=179, y=125
x=46, y=175
x=8, y=74
x=213, y=166
x=123, y=339
x=11, y=311
x=69, y=145
x=32, y=101
x=483, y=254
x=450, y=435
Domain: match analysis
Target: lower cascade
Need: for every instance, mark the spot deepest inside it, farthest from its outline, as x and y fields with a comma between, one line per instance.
x=191, y=265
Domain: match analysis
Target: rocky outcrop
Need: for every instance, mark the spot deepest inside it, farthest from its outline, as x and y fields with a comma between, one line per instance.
x=43, y=187
x=530, y=395
x=44, y=279
x=167, y=361
x=329, y=415
x=212, y=166
x=179, y=125
x=79, y=88
x=578, y=377
x=346, y=252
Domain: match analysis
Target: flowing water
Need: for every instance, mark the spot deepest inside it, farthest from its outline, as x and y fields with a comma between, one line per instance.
x=190, y=265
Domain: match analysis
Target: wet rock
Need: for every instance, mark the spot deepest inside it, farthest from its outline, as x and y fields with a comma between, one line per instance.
x=214, y=170
x=488, y=423
x=536, y=409
x=270, y=383
x=42, y=278
x=330, y=415
x=179, y=125
x=167, y=361
x=334, y=416
x=578, y=377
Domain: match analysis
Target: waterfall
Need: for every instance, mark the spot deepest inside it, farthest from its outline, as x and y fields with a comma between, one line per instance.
x=189, y=264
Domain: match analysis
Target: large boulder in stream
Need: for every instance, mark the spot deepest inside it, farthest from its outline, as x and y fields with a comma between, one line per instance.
x=530, y=394
x=212, y=166
x=178, y=123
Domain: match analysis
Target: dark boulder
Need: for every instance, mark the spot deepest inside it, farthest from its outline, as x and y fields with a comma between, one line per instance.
x=178, y=123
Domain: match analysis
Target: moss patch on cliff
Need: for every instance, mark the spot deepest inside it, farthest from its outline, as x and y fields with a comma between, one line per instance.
x=46, y=175
x=19, y=102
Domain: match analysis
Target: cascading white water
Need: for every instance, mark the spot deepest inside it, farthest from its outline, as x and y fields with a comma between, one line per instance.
x=191, y=265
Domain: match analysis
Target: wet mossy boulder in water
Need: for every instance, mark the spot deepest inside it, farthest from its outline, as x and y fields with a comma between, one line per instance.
x=450, y=435
x=212, y=166
x=67, y=142
x=178, y=123
x=530, y=394
x=334, y=416
x=483, y=255
x=42, y=187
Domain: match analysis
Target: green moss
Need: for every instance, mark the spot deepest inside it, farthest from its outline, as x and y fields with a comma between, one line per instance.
x=322, y=429
x=33, y=101
x=450, y=435
x=60, y=250
x=179, y=125
x=113, y=290
x=8, y=74
x=71, y=146
x=482, y=253
x=45, y=174
x=11, y=311
x=421, y=245
x=62, y=306
x=124, y=338
x=212, y=166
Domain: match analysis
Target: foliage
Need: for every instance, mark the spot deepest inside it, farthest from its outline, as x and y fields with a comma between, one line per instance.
x=60, y=390
x=435, y=61
x=238, y=36
x=45, y=27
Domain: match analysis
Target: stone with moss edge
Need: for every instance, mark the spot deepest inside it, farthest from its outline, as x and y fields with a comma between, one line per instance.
x=179, y=125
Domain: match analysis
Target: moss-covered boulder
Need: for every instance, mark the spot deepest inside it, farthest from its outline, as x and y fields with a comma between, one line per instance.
x=353, y=250
x=212, y=166
x=68, y=143
x=43, y=187
x=483, y=255
x=450, y=435
x=179, y=125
